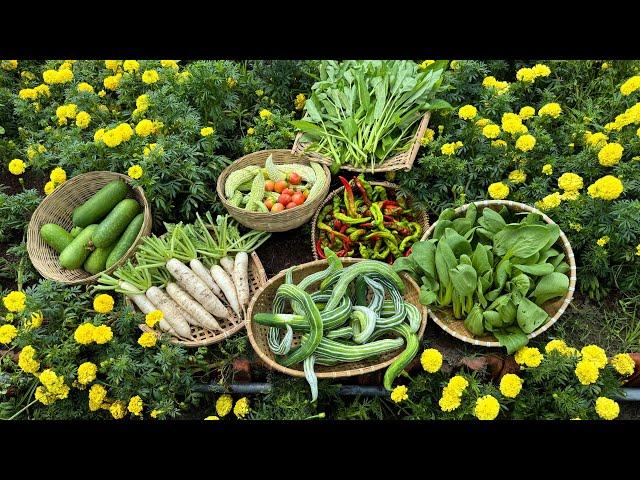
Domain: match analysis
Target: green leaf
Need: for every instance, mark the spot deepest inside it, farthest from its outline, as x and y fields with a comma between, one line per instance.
x=464, y=279
x=471, y=214
x=438, y=104
x=445, y=260
x=522, y=241
x=480, y=259
x=512, y=338
x=462, y=225
x=427, y=297
x=503, y=270
x=406, y=264
x=563, y=267
x=459, y=245
x=424, y=255
x=447, y=214
x=1, y=130
x=551, y=286
x=441, y=226
x=491, y=220
x=308, y=127
x=349, y=127
x=519, y=286
x=536, y=270
x=474, y=321
x=530, y=316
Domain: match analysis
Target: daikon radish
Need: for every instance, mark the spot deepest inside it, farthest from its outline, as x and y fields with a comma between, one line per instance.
x=228, y=264
x=144, y=304
x=201, y=271
x=190, y=282
x=226, y=285
x=173, y=314
x=193, y=308
x=241, y=277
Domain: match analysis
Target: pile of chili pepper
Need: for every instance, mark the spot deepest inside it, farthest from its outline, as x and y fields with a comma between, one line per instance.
x=365, y=222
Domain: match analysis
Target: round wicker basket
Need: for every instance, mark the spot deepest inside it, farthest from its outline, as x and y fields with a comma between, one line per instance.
x=262, y=302
x=555, y=308
x=402, y=161
x=58, y=208
x=421, y=217
x=202, y=336
x=271, y=222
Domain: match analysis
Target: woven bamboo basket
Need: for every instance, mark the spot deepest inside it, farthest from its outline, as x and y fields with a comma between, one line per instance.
x=401, y=161
x=555, y=308
x=58, y=208
x=231, y=325
x=421, y=217
x=271, y=222
x=262, y=301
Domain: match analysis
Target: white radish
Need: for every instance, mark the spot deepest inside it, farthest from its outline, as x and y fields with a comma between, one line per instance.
x=196, y=288
x=145, y=305
x=173, y=314
x=226, y=285
x=193, y=308
x=228, y=265
x=201, y=271
x=241, y=277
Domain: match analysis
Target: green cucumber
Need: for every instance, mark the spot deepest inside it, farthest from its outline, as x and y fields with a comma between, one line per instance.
x=96, y=261
x=75, y=231
x=115, y=223
x=55, y=236
x=101, y=203
x=74, y=255
x=126, y=240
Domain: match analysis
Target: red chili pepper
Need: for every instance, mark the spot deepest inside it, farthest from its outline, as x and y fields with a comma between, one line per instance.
x=343, y=228
x=366, y=225
x=389, y=218
x=332, y=237
x=341, y=253
x=350, y=202
x=337, y=224
x=319, y=249
x=390, y=259
x=363, y=192
x=388, y=203
x=408, y=252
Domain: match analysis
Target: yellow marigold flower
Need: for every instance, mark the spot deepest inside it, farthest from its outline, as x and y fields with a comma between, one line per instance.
x=112, y=82
x=83, y=119
x=14, y=301
x=498, y=191
x=154, y=317
x=97, y=137
x=517, y=176
x=549, y=202
x=425, y=64
x=491, y=131
x=35, y=321
x=49, y=187
x=489, y=81
x=135, y=172
x=50, y=76
x=607, y=409
x=299, y=102
x=399, y=394
x=118, y=410
x=102, y=334
x=112, y=65
x=570, y=195
x=468, y=112
x=606, y=188
x=251, y=131
x=145, y=128
x=610, y=154
x=525, y=75
x=455, y=64
x=147, y=340
x=28, y=94
x=211, y=417
x=206, y=131
x=483, y=122
x=457, y=384
x=450, y=148
x=125, y=131
x=155, y=413
x=427, y=137
x=449, y=402
x=624, y=364
x=525, y=142
x=587, y=372
x=638, y=250
x=487, y=408
x=87, y=373
x=511, y=123
x=570, y=182
x=499, y=143
x=630, y=86
x=102, y=93
x=7, y=333
x=242, y=408
x=85, y=87
x=97, y=394
x=604, y=66
x=547, y=169
x=510, y=385
x=42, y=90
x=594, y=354
x=259, y=92
x=65, y=76
x=541, y=70
x=224, y=404
x=17, y=166
x=150, y=76
x=551, y=109
x=169, y=64
x=135, y=405
x=559, y=346
x=431, y=360
x=231, y=82
x=26, y=362
x=9, y=64
x=529, y=357
x=264, y=113
x=131, y=66
x=25, y=75
x=526, y=112
x=103, y=303
x=142, y=102
x=602, y=241
x=575, y=226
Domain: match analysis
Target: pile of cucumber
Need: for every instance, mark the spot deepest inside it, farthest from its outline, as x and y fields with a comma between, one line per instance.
x=104, y=228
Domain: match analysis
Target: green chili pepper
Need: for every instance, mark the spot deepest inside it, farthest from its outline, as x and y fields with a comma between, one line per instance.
x=356, y=234
x=417, y=232
x=365, y=252
x=379, y=193
x=349, y=220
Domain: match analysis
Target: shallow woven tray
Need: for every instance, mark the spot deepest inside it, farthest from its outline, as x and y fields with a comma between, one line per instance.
x=271, y=222
x=421, y=217
x=203, y=336
x=402, y=161
x=58, y=208
x=262, y=302
x=555, y=308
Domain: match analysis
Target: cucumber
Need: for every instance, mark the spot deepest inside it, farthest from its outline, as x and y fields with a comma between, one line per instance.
x=96, y=261
x=125, y=241
x=115, y=223
x=74, y=255
x=101, y=203
x=75, y=231
x=55, y=236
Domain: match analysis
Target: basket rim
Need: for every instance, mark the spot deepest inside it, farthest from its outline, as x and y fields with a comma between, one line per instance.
x=262, y=279
x=569, y=256
x=348, y=372
x=59, y=193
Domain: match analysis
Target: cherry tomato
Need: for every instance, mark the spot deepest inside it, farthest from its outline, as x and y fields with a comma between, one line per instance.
x=268, y=203
x=297, y=198
x=288, y=191
x=284, y=198
x=294, y=178
x=277, y=207
x=280, y=185
x=268, y=185
x=291, y=205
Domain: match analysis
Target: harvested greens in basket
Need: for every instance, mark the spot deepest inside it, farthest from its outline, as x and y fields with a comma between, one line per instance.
x=362, y=112
x=495, y=275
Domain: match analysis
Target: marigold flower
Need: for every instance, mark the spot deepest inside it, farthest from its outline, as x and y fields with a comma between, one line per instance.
x=449, y=402
x=510, y=385
x=102, y=334
x=135, y=405
x=14, y=301
x=525, y=143
x=145, y=128
x=242, y=408
x=541, y=70
x=570, y=182
x=547, y=169
x=526, y=112
x=549, y=202
x=84, y=333
x=97, y=394
x=607, y=409
x=597, y=139
x=425, y=64
x=264, y=113
x=87, y=373
x=155, y=413
x=150, y=76
x=211, y=417
x=118, y=410
x=26, y=362
x=587, y=372
x=624, y=364
x=467, y=112
x=457, y=384
x=559, y=346
x=251, y=131
x=491, y=131
x=550, y=109
x=399, y=394
x=427, y=137
x=602, y=241
x=49, y=187
x=112, y=82
x=525, y=75
x=169, y=64
x=85, y=87
x=7, y=333
x=498, y=191
x=35, y=321
x=610, y=154
x=103, y=303
x=487, y=408
x=135, y=172
x=499, y=143
x=431, y=360
x=147, y=340
x=153, y=317
x=630, y=86
x=112, y=65
x=606, y=188
x=17, y=166
x=224, y=404
x=206, y=131
x=595, y=354
x=529, y=357
x=83, y=119
x=511, y=123
x=28, y=94
x=450, y=148
x=131, y=66
x=300, y=101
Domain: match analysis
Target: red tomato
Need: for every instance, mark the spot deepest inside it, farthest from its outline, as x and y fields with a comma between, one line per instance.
x=277, y=207
x=284, y=198
x=291, y=205
x=268, y=185
x=297, y=198
x=294, y=178
x=280, y=185
x=288, y=191
x=268, y=203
